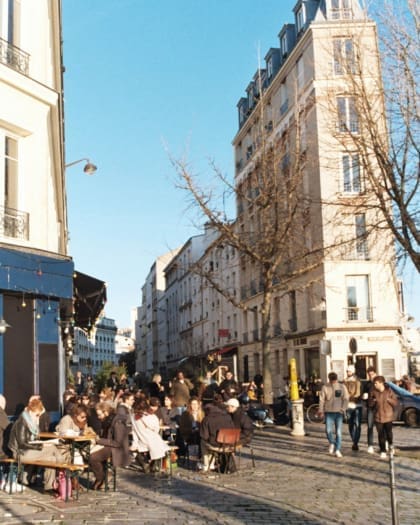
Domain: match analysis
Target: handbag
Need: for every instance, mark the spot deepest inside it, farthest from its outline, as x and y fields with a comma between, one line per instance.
x=63, y=488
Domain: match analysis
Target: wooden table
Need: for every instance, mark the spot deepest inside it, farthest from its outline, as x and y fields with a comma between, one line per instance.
x=81, y=443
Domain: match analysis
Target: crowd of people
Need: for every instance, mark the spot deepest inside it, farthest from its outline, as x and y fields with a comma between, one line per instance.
x=140, y=426
x=127, y=425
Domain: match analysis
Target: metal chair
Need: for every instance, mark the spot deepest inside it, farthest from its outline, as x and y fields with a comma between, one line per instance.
x=228, y=445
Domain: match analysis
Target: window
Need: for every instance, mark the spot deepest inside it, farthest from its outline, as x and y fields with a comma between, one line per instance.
x=300, y=73
x=361, y=236
x=347, y=115
x=343, y=56
x=358, y=304
x=283, y=45
x=292, y=311
x=340, y=9
x=300, y=19
x=10, y=172
x=284, y=103
x=351, y=173
x=270, y=67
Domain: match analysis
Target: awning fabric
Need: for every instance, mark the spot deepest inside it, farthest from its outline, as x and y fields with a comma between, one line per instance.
x=90, y=299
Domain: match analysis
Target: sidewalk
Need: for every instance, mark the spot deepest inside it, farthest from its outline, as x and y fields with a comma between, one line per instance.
x=295, y=482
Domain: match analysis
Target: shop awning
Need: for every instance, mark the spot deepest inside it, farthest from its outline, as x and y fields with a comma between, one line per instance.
x=90, y=298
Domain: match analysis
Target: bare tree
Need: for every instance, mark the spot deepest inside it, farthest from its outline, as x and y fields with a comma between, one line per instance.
x=273, y=229
x=380, y=124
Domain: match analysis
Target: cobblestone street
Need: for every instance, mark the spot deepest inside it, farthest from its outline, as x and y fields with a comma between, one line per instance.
x=295, y=482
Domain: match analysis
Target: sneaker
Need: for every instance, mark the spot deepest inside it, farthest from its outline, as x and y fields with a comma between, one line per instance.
x=370, y=449
x=338, y=454
x=355, y=446
x=331, y=449
x=383, y=455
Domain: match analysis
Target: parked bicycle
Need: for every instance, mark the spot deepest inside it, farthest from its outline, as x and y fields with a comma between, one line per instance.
x=313, y=415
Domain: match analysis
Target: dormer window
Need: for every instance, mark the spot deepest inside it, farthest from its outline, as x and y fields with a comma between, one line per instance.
x=300, y=19
x=340, y=9
x=283, y=45
x=270, y=68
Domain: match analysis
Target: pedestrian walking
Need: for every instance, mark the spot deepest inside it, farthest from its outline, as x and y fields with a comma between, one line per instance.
x=354, y=406
x=333, y=400
x=383, y=401
x=367, y=388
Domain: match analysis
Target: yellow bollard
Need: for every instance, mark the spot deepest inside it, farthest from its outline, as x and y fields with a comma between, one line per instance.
x=294, y=389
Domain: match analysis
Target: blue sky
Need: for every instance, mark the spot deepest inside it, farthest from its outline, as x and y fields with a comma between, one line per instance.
x=144, y=77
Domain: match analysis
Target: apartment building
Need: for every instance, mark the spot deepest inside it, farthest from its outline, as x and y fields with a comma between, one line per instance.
x=346, y=308
x=335, y=298
x=42, y=298
x=36, y=272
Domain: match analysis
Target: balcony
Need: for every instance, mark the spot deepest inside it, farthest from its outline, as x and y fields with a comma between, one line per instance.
x=359, y=313
x=14, y=223
x=14, y=57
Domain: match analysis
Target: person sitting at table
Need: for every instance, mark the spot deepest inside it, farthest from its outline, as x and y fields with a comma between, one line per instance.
x=75, y=423
x=115, y=445
x=216, y=418
x=189, y=428
x=4, y=423
x=24, y=432
x=168, y=417
x=146, y=437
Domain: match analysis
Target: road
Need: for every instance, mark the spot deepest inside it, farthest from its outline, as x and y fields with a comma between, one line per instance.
x=295, y=482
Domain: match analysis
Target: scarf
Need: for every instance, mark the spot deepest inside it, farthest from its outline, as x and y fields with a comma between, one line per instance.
x=32, y=425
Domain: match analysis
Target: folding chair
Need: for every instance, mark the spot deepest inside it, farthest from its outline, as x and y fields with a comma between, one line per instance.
x=228, y=444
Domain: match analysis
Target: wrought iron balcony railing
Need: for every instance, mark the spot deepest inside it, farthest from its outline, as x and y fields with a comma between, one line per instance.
x=356, y=313
x=14, y=57
x=14, y=223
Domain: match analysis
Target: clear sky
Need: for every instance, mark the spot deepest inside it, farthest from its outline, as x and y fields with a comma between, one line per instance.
x=144, y=77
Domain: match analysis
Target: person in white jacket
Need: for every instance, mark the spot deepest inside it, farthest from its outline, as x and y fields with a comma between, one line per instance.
x=333, y=401
x=146, y=436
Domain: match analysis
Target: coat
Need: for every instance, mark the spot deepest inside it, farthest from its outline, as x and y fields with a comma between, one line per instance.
x=21, y=437
x=146, y=437
x=217, y=417
x=4, y=423
x=117, y=440
x=181, y=392
x=241, y=420
x=383, y=404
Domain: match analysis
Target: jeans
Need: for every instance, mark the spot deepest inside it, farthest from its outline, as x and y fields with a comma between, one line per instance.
x=370, y=426
x=334, y=422
x=354, y=418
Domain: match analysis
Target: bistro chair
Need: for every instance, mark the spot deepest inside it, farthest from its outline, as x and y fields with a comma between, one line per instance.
x=228, y=445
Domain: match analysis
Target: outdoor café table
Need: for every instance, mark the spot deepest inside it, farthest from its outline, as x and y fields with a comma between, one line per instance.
x=78, y=443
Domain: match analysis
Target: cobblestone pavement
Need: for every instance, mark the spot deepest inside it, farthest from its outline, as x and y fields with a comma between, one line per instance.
x=295, y=482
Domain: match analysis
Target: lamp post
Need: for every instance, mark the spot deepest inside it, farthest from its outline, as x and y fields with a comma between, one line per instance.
x=3, y=326
x=89, y=168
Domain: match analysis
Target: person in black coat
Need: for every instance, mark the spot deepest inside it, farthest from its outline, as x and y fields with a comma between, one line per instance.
x=229, y=388
x=216, y=418
x=240, y=420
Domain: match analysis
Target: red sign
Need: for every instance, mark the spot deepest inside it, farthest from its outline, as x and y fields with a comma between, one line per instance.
x=223, y=332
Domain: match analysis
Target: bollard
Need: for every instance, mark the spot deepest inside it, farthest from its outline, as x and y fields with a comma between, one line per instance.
x=297, y=403
x=394, y=502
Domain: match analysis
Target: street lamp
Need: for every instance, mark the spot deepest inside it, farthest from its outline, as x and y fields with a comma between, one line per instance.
x=3, y=326
x=89, y=168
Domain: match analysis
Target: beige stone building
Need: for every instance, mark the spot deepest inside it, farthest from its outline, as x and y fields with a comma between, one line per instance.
x=301, y=106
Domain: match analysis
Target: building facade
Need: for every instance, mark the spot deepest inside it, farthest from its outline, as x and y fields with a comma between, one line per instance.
x=345, y=306
x=36, y=272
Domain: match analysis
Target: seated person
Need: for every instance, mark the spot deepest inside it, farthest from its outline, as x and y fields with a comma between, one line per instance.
x=240, y=420
x=216, y=418
x=189, y=426
x=146, y=437
x=4, y=423
x=24, y=432
x=114, y=445
x=44, y=418
x=168, y=416
x=75, y=423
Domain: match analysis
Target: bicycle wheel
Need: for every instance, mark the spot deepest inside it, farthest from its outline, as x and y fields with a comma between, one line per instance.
x=312, y=414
